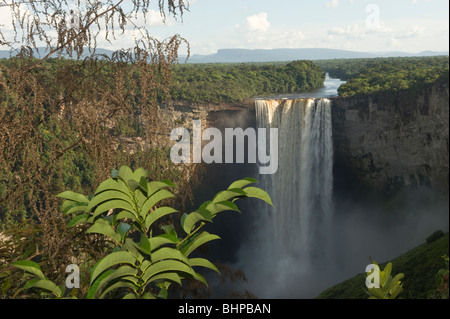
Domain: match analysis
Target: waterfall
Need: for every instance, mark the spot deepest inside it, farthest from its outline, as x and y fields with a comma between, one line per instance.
x=301, y=189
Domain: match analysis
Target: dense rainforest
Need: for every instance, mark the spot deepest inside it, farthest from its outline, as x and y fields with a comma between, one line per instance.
x=388, y=75
x=215, y=83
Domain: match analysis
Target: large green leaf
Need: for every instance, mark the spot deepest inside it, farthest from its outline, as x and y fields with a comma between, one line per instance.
x=67, y=204
x=153, y=200
x=196, y=241
x=78, y=220
x=107, y=196
x=124, y=214
x=113, y=204
x=30, y=283
x=113, y=259
x=170, y=276
x=158, y=241
x=30, y=267
x=385, y=274
x=155, y=186
x=395, y=291
x=73, y=207
x=165, y=266
x=123, y=230
x=118, y=273
x=242, y=183
x=75, y=197
x=168, y=253
x=258, y=193
x=125, y=173
x=193, y=218
x=93, y=287
x=216, y=208
x=203, y=263
x=144, y=245
x=102, y=227
x=134, y=185
x=394, y=282
x=49, y=286
x=121, y=284
x=140, y=173
x=157, y=214
x=228, y=194
x=112, y=184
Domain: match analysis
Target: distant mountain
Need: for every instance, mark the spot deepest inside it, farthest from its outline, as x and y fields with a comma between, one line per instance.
x=274, y=55
x=41, y=52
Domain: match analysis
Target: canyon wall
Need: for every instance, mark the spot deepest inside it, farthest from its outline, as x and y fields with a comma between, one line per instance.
x=382, y=142
x=388, y=141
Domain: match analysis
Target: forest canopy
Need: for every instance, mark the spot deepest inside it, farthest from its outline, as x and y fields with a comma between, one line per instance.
x=236, y=82
x=368, y=76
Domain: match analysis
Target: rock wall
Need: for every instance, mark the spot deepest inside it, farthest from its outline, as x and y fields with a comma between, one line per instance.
x=381, y=142
x=389, y=141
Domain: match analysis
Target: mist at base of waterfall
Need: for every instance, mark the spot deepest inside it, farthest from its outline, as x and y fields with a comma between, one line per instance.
x=360, y=231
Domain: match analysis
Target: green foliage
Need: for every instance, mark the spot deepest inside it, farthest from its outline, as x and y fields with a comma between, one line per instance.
x=38, y=280
x=435, y=236
x=419, y=265
x=344, y=69
x=368, y=76
x=389, y=288
x=214, y=83
x=13, y=248
x=442, y=276
x=144, y=261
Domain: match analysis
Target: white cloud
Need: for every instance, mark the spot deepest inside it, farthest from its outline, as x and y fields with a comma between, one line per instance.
x=257, y=23
x=153, y=18
x=257, y=33
x=351, y=30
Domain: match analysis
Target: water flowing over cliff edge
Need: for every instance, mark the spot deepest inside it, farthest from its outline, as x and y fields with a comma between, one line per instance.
x=302, y=187
x=393, y=146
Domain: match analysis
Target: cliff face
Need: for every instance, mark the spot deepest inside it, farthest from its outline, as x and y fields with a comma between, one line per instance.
x=381, y=142
x=387, y=142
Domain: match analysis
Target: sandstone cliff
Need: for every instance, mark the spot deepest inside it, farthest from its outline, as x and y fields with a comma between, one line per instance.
x=389, y=141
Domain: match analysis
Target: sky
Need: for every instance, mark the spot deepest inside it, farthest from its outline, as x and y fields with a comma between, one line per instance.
x=359, y=25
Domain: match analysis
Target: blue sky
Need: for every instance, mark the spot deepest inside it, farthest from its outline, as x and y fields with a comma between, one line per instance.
x=361, y=25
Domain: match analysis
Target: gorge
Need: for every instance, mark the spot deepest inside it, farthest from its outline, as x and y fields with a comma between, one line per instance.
x=389, y=162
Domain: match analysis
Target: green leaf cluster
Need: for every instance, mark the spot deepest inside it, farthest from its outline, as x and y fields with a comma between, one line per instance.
x=144, y=261
x=38, y=280
x=390, y=287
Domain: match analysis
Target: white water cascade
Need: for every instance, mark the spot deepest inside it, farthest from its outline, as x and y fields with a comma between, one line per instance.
x=301, y=189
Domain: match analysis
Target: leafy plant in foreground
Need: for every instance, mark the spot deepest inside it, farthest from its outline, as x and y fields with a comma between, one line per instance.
x=38, y=280
x=142, y=264
x=442, y=291
x=389, y=288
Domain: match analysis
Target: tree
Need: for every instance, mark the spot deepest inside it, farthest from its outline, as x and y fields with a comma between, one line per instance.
x=58, y=107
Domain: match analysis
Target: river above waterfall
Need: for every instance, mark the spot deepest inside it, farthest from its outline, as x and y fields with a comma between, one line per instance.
x=330, y=89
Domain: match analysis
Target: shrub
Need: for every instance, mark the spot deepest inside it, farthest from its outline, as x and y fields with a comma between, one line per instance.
x=143, y=261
